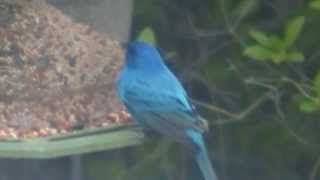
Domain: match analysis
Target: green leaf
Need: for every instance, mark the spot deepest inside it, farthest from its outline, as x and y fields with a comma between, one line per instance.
x=257, y=52
x=275, y=43
x=147, y=35
x=260, y=37
x=279, y=56
x=295, y=56
x=315, y=4
x=308, y=106
x=293, y=29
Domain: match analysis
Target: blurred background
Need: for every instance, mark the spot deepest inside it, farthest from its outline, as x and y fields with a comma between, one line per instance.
x=251, y=67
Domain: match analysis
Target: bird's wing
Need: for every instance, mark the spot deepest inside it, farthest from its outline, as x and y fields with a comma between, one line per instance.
x=163, y=98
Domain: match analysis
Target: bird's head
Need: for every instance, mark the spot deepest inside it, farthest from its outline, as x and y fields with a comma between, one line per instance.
x=142, y=55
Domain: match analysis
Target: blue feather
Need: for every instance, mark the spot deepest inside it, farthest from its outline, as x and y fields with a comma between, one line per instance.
x=157, y=100
x=202, y=157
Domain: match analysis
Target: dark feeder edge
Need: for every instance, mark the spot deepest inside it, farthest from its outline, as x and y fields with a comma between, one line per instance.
x=73, y=143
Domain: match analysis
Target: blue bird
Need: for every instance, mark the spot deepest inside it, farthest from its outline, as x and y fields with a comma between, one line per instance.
x=157, y=100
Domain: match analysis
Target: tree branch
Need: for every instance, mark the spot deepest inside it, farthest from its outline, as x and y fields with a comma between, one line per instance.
x=236, y=117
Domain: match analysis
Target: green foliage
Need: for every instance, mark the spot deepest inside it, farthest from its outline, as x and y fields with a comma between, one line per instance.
x=309, y=105
x=292, y=31
x=315, y=4
x=312, y=103
x=274, y=48
x=258, y=52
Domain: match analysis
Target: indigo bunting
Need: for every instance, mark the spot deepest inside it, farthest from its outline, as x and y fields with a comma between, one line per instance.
x=156, y=100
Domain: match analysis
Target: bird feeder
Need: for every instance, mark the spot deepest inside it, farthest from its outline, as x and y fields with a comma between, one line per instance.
x=57, y=73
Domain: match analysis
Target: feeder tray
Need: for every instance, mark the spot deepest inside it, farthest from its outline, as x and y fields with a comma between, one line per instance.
x=84, y=141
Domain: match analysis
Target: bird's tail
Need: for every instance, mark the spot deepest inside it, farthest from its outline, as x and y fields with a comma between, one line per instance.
x=204, y=164
x=202, y=157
